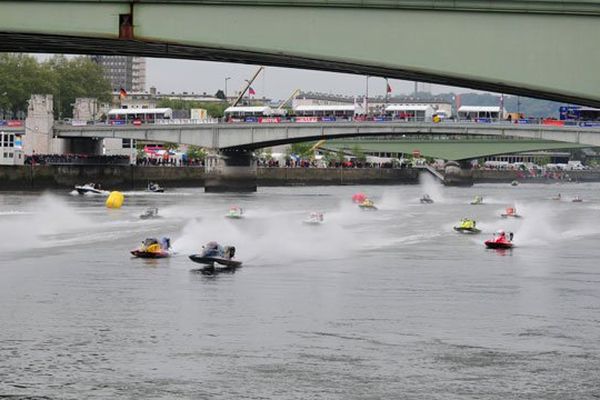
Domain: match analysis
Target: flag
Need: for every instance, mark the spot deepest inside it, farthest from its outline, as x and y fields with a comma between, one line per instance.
x=251, y=91
x=122, y=93
x=388, y=88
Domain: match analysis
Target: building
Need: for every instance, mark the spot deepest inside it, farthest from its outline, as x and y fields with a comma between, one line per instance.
x=11, y=148
x=124, y=72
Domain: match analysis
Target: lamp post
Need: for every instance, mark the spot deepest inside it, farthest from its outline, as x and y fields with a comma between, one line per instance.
x=226, y=79
x=367, y=96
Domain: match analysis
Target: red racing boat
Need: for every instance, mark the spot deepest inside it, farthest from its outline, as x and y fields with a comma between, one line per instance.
x=500, y=241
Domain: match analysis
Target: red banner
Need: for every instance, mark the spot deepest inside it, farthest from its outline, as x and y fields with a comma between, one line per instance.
x=269, y=120
x=553, y=122
x=14, y=122
x=307, y=119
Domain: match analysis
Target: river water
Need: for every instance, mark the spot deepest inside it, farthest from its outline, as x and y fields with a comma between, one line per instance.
x=370, y=305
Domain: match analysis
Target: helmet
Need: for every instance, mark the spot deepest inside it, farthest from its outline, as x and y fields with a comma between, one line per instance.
x=500, y=232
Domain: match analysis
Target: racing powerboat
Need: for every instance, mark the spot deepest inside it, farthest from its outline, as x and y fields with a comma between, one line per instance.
x=155, y=187
x=359, y=197
x=577, y=199
x=514, y=183
x=153, y=248
x=467, y=226
x=367, y=204
x=215, y=256
x=90, y=188
x=426, y=199
x=477, y=200
x=235, y=213
x=510, y=212
x=557, y=197
x=150, y=213
x=315, y=218
x=500, y=241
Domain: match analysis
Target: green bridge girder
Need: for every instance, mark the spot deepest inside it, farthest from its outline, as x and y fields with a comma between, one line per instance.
x=456, y=150
x=545, y=49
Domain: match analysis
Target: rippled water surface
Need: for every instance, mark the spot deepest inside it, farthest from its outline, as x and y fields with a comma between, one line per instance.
x=371, y=305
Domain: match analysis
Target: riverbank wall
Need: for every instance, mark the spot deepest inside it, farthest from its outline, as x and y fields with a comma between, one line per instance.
x=498, y=176
x=126, y=177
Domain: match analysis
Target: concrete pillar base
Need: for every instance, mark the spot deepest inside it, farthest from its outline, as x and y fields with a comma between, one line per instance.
x=454, y=175
x=230, y=171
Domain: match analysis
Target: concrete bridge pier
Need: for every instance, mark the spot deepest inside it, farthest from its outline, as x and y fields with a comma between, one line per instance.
x=231, y=171
x=458, y=174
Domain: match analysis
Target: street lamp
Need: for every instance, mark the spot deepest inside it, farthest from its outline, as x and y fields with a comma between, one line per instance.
x=226, y=79
x=367, y=96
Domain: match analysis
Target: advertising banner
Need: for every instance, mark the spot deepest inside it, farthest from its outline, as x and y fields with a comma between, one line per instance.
x=307, y=119
x=269, y=120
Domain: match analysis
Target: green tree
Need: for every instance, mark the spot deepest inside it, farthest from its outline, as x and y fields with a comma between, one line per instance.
x=170, y=146
x=303, y=149
x=359, y=154
x=21, y=75
x=76, y=77
x=196, y=153
x=214, y=109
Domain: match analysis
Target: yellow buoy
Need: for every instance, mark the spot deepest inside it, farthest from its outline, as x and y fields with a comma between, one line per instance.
x=115, y=200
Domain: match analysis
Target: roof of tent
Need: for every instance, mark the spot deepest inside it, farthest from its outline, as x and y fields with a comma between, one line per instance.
x=129, y=111
x=409, y=107
x=479, y=109
x=249, y=109
x=333, y=107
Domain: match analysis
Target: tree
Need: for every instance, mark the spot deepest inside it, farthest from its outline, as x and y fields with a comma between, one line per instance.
x=196, y=153
x=220, y=95
x=303, y=149
x=215, y=110
x=21, y=75
x=76, y=77
x=170, y=146
x=359, y=154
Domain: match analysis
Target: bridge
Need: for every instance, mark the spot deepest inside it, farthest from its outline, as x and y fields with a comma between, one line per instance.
x=455, y=150
x=537, y=48
x=249, y=136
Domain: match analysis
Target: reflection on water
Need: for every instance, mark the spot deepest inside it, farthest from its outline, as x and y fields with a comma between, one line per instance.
x=385, y=304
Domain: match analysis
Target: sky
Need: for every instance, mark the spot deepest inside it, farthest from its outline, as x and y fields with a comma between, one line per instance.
x=169, y=75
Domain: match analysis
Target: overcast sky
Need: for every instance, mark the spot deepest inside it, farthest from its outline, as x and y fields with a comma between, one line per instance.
x=169, y=75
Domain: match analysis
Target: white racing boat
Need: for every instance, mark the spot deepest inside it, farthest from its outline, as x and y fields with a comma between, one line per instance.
x=90, y=188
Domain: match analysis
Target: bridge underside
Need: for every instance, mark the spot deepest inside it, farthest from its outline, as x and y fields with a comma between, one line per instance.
x=543, y=54
x=456, y=150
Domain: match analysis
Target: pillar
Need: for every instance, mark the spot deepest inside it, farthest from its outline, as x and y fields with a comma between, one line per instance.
x=230, y=171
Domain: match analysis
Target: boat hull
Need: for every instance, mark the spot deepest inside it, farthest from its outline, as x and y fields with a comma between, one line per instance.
x=470, y=231
x=150, y=254
x=490, y=244
x=197, y=258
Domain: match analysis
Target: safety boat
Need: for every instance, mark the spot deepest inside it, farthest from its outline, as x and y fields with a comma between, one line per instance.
x=557, y=197
x=500, y=241
x=150, y=213
x=90, y=188
x=235, y=213
x=215, y=256
x=510, y=212
x=426, y=199
x=315, y=218
x=477, y=200
x=367, y=204
x=155, y=188
x=468, y=226
x=153, y=248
